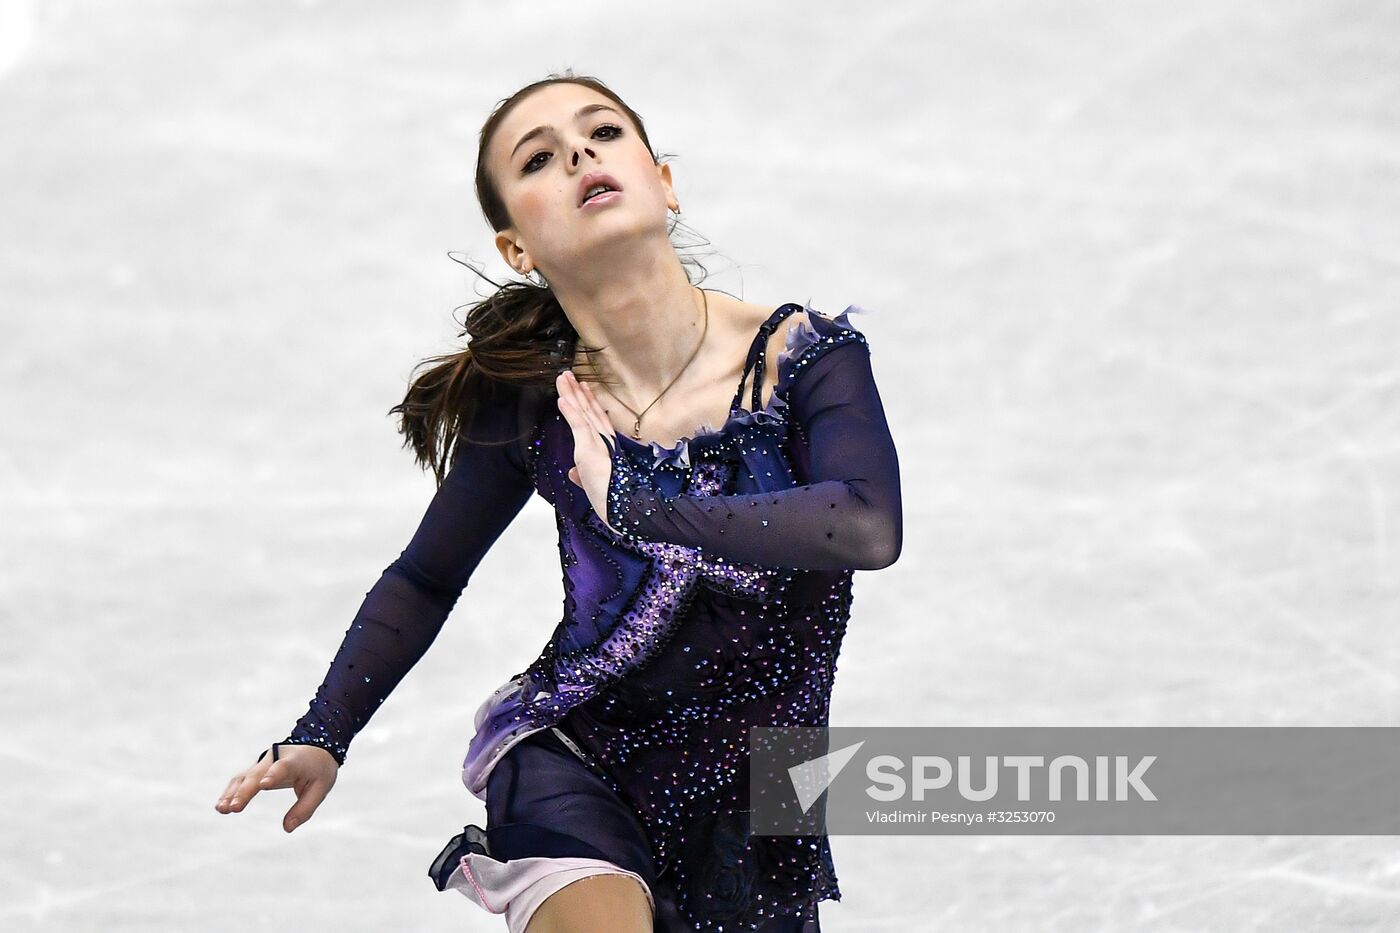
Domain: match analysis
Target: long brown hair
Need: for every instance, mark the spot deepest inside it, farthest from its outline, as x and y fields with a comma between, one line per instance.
x=519, y=336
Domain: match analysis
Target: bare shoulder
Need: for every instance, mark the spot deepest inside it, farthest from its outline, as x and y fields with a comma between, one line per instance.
x=749, y=316
x=744, y=318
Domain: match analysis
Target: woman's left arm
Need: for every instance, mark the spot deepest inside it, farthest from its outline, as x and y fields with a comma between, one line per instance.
x=848, y=517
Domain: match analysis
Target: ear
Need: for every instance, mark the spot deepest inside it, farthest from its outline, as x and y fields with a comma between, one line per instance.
x=511, y=251
x=663, y=172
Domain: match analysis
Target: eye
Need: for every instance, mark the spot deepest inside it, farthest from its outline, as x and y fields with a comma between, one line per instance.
x=616, y=132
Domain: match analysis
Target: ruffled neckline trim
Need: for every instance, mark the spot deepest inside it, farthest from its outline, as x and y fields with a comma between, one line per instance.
x=799, y=337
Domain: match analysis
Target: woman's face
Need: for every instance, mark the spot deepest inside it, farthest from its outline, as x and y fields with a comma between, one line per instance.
x=539, y=173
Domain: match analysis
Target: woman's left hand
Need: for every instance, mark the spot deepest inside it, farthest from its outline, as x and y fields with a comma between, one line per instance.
x=592, y=470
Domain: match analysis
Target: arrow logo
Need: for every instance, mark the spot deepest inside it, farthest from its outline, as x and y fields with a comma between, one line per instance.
x=811, y=778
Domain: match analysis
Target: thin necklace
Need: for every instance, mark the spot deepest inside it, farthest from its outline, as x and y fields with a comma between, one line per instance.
x=637, y=415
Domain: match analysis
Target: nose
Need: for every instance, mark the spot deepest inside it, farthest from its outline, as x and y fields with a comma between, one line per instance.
x=590, y=152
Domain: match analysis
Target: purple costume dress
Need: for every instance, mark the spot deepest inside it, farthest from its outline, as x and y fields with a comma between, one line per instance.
x=721, y=605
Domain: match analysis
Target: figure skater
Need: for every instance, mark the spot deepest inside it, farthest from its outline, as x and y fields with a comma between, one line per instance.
x=707, y=570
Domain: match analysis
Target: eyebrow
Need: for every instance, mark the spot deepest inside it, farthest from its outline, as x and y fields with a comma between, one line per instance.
x=582, y=112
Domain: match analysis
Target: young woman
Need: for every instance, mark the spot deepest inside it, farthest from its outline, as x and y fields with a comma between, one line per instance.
x=707, y=570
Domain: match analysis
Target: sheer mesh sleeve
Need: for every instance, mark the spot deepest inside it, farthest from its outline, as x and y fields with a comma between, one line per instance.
x=847, y=517
x=482, y=492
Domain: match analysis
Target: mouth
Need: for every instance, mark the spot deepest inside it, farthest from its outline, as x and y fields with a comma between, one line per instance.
x=599, y=201
x=597, y=186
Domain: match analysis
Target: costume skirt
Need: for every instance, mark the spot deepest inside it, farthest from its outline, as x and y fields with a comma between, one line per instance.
x=551, y=820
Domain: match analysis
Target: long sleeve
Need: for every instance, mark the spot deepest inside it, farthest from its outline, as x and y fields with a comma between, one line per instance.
x=848, y=516
x=482, y=492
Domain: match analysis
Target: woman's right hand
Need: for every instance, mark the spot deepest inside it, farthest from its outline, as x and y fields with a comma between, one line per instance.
x=595, y=440
x=309, y=770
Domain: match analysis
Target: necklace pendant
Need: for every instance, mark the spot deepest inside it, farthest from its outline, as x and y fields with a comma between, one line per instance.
x=637, y=430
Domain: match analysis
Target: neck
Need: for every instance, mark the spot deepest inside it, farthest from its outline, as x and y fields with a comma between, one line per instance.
x=648, y=325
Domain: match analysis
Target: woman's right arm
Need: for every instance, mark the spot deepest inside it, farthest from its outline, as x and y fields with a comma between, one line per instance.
x=402, y=614
x=486, y=486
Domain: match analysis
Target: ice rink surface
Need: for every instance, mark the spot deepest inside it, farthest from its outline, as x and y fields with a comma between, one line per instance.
x=1134, y=280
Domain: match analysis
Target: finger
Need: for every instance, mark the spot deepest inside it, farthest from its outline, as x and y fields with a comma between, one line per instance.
x=574, y=478
x=593, y=403
x=234, y=795
x=571, y=414
x=227, y=795
x=308, y=799
x=593, y=409
x=567, y=384
x=277, y=776
x=568, y=388
x=587, y=420
x=572, y=405
x=247, y=789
